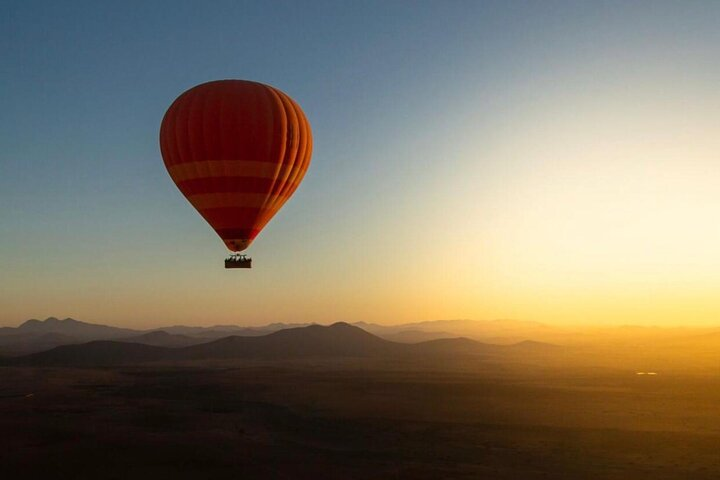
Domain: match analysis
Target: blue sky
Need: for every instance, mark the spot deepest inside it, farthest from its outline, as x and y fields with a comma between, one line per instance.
x=415, y=108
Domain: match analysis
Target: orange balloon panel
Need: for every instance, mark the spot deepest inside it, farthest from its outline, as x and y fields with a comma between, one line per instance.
x=237, y=150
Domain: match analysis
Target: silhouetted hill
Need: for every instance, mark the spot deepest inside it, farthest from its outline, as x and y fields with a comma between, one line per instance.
x=25, y=343
x=453, y=346
x=220, y=331
x=415, y=336
x=161, y=338
x=74, y=328
x=39, y=335
x=339, y=339
x=531, y=345
x=36, y=335
x=492, y=331
x=315, y=341
x=97, y=353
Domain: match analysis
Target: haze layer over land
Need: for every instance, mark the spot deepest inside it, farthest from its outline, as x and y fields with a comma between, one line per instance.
x=634, y=349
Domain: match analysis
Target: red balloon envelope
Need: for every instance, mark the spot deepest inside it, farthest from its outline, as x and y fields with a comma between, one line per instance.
x=237, y=150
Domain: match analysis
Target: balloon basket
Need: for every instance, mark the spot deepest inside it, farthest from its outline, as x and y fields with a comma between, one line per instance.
x=238, y=261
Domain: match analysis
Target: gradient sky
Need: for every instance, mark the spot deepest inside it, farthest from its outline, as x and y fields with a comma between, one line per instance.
x=549, y=161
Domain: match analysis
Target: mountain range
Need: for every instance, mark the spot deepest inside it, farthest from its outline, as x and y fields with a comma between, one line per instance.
x=315, y=341
x=39, y=335
x=68, y=340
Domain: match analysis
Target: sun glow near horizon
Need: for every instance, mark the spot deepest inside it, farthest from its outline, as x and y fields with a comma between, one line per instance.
x=608, y=210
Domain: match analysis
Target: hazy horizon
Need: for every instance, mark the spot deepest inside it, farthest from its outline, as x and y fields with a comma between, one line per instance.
x=553, y=162
x=209, y=323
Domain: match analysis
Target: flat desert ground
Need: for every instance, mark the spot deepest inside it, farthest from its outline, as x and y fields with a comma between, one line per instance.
x=357, y=419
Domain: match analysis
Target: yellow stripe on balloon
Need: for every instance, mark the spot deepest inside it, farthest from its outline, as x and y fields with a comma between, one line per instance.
x=225, y=168
x=232, y=200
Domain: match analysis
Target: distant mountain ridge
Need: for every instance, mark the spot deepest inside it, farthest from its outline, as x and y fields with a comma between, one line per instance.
x=72, y=327
x=315, y=341
x=494, y=331
x=513, y=330
x=40, y=335
x=161, y=338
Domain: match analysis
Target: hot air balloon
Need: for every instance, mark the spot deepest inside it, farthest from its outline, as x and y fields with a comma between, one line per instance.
x=237, y=150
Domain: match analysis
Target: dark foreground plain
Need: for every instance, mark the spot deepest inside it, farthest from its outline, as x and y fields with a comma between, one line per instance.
x=357, y=419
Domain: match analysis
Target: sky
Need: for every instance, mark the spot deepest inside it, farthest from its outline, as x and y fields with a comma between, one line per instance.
x=548, y=161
